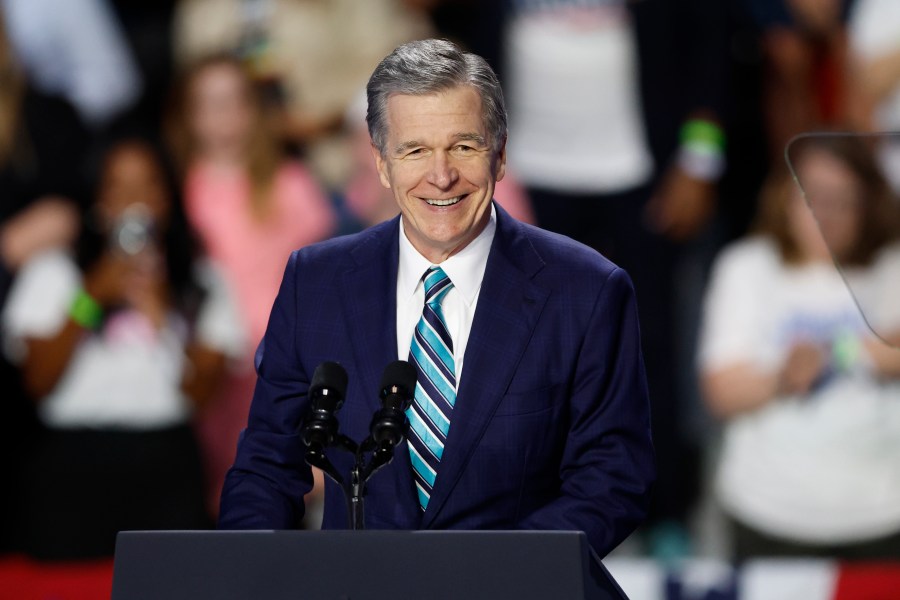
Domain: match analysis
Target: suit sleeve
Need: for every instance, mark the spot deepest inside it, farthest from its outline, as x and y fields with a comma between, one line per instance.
x=607, y=466
x=264, y=488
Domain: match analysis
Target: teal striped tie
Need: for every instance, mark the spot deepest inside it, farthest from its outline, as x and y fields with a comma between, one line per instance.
x=431, y=352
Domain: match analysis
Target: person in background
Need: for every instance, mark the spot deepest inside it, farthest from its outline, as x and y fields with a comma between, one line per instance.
x=250, y=206
x=118, y=345
x=76, y=49
x=309, y=58
x=804, y=48
x=41, y=142
x=809, y=395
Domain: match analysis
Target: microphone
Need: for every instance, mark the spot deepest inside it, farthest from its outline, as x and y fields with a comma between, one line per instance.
x=389, y=424
x=327, y=391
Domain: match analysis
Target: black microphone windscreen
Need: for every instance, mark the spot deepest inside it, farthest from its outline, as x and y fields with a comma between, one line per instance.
x=399, y=373
x=330, y=375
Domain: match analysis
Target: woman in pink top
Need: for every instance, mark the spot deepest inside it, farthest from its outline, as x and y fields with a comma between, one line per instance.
x=250, y=206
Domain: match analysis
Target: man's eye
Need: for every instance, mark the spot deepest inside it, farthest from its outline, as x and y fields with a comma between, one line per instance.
x=464, y=149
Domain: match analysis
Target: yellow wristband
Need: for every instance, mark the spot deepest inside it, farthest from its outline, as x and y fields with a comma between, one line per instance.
x=86, y=311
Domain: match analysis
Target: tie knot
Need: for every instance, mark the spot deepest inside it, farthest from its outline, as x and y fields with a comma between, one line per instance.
x=437, y=284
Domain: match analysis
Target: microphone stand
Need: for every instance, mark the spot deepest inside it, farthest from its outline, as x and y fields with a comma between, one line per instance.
x=354, y=489
x=315, y=457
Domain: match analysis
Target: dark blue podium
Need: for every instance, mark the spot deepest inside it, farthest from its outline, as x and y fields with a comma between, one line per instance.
x=357, y=565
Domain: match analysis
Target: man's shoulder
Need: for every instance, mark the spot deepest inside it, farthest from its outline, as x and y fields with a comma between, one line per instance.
x=350, y=248
x=559, y=253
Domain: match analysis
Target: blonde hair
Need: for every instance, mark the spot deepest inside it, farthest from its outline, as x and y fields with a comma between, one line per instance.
x=263, y=152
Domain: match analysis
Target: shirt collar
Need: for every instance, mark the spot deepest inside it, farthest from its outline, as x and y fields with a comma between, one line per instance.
x=465, y=268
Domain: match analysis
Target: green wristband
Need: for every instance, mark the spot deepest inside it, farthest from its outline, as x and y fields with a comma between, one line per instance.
x=86, y=311
x=699, y=132
x=847, y=352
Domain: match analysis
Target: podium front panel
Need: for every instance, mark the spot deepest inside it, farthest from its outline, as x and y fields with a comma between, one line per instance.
x=357, y=565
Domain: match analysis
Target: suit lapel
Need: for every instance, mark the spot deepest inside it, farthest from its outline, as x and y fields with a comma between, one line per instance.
x=509, y=305
x=369, y=293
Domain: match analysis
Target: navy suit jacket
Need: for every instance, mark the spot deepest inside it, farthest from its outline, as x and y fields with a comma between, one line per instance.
x=551, y=427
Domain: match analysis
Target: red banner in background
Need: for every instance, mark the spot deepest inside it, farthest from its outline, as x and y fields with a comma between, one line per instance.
x=25, y=579
x=641, y=579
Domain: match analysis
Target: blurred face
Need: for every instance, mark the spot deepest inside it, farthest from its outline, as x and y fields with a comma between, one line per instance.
x=835, y=195
x=440, y=168
x=220, y=113
x=131, y=176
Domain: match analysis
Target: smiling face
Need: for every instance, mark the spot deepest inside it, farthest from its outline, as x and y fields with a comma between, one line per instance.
x=441, y=168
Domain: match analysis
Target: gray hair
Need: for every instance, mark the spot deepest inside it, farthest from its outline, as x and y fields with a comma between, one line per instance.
x=427, y=67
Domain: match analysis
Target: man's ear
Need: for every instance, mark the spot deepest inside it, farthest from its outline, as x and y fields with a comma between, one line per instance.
x=382, y=166
x=500, y=166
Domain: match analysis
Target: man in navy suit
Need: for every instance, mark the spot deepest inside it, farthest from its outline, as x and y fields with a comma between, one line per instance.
x=550, y=426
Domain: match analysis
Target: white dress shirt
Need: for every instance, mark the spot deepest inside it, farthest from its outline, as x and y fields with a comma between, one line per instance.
x=465, y=269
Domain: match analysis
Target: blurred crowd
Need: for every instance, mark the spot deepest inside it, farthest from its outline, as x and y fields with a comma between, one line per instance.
x=159, y=160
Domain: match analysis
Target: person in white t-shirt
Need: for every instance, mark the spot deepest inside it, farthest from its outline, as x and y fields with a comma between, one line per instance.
x=810, y=463
x=117, y=346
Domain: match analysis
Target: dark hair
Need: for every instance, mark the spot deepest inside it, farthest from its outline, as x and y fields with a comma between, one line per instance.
x=179, y=243
x=426, y=67
x=880, y=216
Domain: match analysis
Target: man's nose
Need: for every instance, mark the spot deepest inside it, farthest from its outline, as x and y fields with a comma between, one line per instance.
x=442, y=173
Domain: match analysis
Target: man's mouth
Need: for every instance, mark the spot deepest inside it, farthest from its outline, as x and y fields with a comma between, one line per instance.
x=443, y=202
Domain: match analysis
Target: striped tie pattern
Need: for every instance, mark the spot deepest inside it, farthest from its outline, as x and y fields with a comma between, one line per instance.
x=431, y=352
